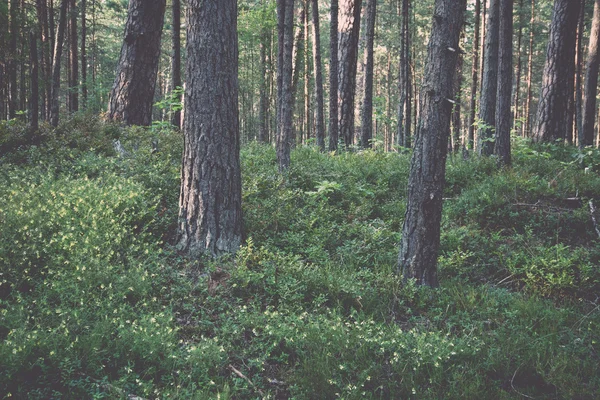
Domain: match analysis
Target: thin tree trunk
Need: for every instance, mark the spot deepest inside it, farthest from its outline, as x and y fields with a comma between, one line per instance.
x=474, y=77
x=527, y=112
x=552, y=120
x=210, y=202
x=285, y=128
x=176, y=58
x=73, y=60
x=319, y=106
x=263, y=132
x=591, y=79
x=578, y=74
x=504, y=89
x=3, y=61
x=456, y=122
x=367, y=106
x=307, y=73
x=517, y=115
x=487, y=111
x=84, y=93
x=404, y=81
x=348, y=57
x=35, y=96
x=333, y=78
x=12, y=59
x=421, y=230
x=56, y=61
x=46, y=59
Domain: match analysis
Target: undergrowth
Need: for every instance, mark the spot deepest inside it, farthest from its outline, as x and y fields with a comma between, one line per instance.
x=95, y=303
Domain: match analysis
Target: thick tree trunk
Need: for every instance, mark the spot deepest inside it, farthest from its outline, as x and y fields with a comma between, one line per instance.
x=285, y=128
x=84, y=93
x=367, y=106
x=34, y=101
x=176, y=57
x=474, y=77
x=320, y=105
x=333, y=78
x=487, y=110
x=73, y=60
x=527, y=112
x=421, y=231
x=504, y=91
x=132, y=94
x=591, y=79
x=557, y=81
x=56, y=61
x=210, y=212
x=348, y=58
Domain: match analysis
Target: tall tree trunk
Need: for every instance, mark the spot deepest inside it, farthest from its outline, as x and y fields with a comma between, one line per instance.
x=578, y=95
x=319, y=106
x=12, y=59
x=307, y=73
x=73, y=59
x=517, y=114
x=176, y=57
x=367, y=106
x=348, y=58
x=487, y=111
x=504, y=89
x=333, y=78
x=46, y=59
x=474, y=76
x=3, y=62
x=285, y=128
x=527, y=112
x=210, y=202
x=421, y=230
x=84, y=92
x=132, y=94
x=404, y=81
x=591, y=79
x=35, y=96
x=263, y=130
x=56, y=61
x=408, y=76
x=557, y=81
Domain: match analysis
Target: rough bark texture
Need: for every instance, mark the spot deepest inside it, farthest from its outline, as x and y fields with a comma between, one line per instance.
x=421, y=231
x=578, y=75
x=348, y=56
x=176, y=56
x=474, y=77
x=487, y=107
x=504, y=93
x=367, y=106
x=83, y=56
x=557, y=82
x=320, y=105
x=285, y=128
x=333, y=78
x=56, y=61
x=210, y=213
x=132, y=93
x=591, y=79
x=527, y=112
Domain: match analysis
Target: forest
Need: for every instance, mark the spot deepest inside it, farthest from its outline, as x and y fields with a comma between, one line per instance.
x=299, y=199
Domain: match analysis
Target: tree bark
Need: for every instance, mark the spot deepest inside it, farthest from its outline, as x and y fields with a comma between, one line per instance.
x=12, y=59
x=176, y=58
x=56, y=61
x=421, y=230
x=527, y=112
x=348, y=56
x=84, y=93
x=557, y=81
x=591, y=79
x=263, y=107
x=333, y=78
x=210, y=212
x=132, y=94
x=504, y=89
x=474, y=76
x=73, y=60
x=456, y=122
x=517, y=94
x=487, y=110
x=578, y=74
x=34, y=101
x=367, y=106
x=320, y=106
x=285, y=133
x=46, y=56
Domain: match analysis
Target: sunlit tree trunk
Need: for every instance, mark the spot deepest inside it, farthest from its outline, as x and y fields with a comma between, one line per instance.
x=210, y=202
x=421, y=230
x=517, y=94
x=176, y=57
x=319, y=106
x=367, y=106
x=591, y=79
x=474, y=77
x=132, y=94
x=527, y=112
x=333, y=78
x=56, y=61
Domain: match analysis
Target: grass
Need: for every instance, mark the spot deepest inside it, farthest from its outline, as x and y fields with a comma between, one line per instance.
x=95, y=303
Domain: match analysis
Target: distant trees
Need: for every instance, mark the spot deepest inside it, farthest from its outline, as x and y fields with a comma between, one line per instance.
x=210, y=202
x=421, y=230
x=132, y=94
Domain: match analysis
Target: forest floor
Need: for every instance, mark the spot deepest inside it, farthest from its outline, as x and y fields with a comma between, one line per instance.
x=96, y=303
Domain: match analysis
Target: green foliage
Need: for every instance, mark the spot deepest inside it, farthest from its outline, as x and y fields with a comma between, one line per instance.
x=94, y=303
